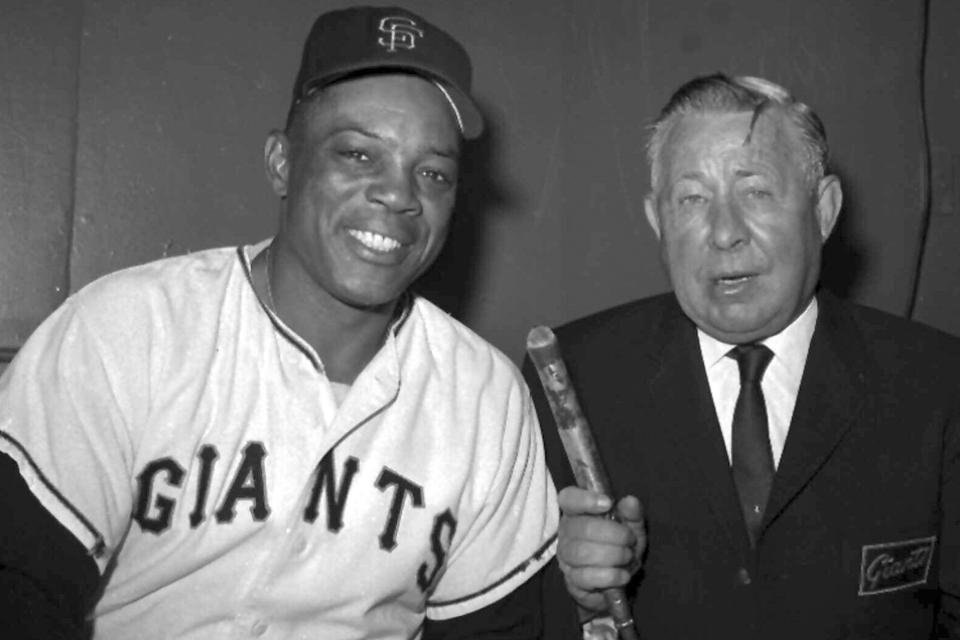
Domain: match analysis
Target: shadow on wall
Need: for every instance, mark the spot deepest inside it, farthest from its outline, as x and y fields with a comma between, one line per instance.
x=451, y=282
x=845, y=261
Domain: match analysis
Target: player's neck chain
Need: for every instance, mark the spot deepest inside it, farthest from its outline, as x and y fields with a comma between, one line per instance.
x=270, y=301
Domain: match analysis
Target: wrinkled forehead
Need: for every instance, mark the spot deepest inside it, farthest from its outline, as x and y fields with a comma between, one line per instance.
x=765, y=135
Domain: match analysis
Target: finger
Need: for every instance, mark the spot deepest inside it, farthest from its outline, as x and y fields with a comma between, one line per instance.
x=593, y=602
x=629, y=509
x=577, y=501
x=589, y=579
x=630, y=512
x=596, y=529
x=581, y=553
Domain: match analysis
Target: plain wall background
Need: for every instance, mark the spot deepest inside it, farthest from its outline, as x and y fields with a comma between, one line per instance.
x=134, y=129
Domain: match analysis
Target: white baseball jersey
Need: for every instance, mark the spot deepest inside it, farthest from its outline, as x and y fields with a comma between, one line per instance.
x=193, y=444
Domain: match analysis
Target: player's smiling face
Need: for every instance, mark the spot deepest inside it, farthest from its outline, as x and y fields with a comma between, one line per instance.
x=740, y=226
x=370, y=186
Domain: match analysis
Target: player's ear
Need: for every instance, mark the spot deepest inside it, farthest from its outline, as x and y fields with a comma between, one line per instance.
x=276, y=159
x=829, y=200
x=650, y=208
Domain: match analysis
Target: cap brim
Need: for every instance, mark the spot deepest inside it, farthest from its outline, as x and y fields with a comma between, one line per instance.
x=470, y=117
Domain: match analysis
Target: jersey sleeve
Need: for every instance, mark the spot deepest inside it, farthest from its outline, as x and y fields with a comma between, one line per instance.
x=66, y=402
x=513, y=533
x=48, y=581
x=516, y=616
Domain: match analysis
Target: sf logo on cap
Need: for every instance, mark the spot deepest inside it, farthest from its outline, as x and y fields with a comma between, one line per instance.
x=403, y=33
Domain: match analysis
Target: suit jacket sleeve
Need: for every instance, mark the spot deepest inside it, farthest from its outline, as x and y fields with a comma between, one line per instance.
x=948, y=619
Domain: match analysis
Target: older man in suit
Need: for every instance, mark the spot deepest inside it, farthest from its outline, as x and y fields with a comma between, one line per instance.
x=791, y=460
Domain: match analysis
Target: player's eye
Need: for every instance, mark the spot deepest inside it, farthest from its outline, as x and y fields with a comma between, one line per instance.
x=355, y=155
x=435, y=175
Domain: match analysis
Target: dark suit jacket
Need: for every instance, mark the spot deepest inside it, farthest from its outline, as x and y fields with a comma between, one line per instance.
x=861, y=537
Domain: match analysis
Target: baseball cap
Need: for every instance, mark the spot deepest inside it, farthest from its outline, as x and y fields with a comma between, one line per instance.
x=350, y=41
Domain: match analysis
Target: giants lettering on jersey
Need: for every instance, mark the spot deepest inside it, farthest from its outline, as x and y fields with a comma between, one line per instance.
x=154, y=506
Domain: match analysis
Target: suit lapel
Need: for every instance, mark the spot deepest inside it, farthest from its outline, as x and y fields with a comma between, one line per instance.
x=680, y=392
x=831, y=395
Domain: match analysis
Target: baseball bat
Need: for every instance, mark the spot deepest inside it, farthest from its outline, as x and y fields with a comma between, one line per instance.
x=579, y=445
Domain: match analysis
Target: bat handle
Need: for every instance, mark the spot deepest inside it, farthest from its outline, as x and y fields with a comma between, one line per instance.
x=618, y=606
x=620, y=612
x=578, y=443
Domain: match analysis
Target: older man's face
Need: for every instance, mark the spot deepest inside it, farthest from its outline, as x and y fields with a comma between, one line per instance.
x=739, y=224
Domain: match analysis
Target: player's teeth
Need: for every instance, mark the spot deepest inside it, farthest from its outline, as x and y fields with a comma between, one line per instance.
x=375, y=241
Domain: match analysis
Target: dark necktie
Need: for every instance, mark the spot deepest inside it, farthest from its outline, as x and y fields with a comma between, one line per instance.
x=752, y=457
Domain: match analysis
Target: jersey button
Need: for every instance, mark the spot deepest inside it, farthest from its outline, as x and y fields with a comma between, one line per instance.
x=743, y=577
x=259, y=628
x=300, y=546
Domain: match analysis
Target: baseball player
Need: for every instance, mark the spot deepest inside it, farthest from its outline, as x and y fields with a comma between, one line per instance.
x=281, y=440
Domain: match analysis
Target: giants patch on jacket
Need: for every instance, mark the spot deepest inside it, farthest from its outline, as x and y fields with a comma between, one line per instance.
x=894, y=566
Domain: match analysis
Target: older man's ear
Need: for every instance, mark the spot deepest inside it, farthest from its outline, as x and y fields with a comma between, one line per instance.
x=650, y=209
x=829, y=202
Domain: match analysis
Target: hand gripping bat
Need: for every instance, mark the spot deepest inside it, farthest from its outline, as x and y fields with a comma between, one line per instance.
x=579, y=445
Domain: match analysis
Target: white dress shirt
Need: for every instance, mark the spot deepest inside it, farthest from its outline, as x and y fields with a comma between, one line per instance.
x=780, y=384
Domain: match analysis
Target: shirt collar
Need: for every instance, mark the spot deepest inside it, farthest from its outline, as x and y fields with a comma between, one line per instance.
x=789, y=347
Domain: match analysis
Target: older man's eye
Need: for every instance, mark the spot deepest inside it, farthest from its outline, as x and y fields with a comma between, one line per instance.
x=691, y=199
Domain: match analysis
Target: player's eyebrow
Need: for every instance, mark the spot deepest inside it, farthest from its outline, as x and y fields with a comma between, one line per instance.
x=451, y=153
x=355, y=128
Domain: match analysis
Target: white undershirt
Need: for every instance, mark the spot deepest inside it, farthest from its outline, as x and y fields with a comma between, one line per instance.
x=780, y=383
x=340, y=391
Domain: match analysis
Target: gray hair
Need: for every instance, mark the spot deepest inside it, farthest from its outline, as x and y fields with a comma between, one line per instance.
x=719, y=93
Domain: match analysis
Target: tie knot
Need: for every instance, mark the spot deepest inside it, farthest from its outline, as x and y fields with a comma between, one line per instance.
x=753, y=359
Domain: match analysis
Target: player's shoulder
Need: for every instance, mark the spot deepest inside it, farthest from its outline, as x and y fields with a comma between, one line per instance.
x=133, y=315
x=168, y=284
x=186, y=271
x=133, y=308
x=452, y=347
